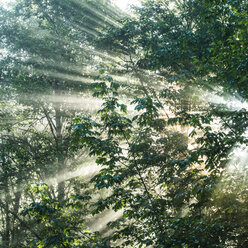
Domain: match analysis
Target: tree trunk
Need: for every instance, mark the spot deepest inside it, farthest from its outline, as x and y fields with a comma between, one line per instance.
x=16, y=232
x=59, y=143
x=6, y=232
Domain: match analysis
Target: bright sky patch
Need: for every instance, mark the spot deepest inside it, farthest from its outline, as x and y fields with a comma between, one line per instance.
x=125, y=4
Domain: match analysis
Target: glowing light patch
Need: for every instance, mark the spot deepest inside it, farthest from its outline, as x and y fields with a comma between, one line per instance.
x=7, y=4
x=86, y=170
x=233, y=103
x=239, y=159
x=125, y=4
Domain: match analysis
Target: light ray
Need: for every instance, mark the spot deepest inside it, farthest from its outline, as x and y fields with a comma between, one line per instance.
x=232, y=103
x=85, y=170
x=97, y=13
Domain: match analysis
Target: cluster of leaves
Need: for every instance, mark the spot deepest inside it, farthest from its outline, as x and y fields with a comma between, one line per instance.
x=167, y=194
x=151, y=176
x=61, y=224
x=44, y=46
x=170, y=196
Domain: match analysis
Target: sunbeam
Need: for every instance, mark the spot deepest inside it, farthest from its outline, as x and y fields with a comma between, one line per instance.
x=230, y=102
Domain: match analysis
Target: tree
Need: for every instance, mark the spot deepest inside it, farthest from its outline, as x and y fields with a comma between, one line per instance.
x=194, y=209
x=149, y=174
x=46, y=49
x=62, y=223
x=171, y=188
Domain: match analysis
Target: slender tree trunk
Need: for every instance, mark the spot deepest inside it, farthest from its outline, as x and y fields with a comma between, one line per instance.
x=6, y=237
x=16, y=232
x=59, y=143
x=6, y=232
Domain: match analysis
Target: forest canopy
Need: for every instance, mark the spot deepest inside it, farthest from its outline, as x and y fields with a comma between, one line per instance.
x=124, y=129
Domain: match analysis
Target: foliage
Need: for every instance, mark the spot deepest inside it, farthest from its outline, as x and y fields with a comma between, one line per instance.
x=45, y=49
x=166, y=165
x=175, y=199
x=152, y=176
x=62, y=223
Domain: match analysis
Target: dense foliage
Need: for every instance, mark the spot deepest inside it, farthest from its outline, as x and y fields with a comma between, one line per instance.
x=171, y=148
